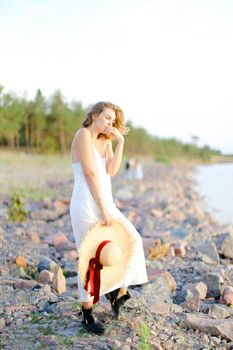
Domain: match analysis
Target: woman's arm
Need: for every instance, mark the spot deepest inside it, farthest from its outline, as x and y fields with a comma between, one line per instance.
x=85, y=155
x=114, y=159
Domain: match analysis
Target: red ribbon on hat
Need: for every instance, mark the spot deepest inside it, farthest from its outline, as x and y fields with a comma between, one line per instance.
x=93, y=273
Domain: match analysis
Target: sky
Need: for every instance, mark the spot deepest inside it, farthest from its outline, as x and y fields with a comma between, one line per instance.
x=167, y=63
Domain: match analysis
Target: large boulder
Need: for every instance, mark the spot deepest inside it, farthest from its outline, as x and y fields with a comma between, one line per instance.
x=224, y=244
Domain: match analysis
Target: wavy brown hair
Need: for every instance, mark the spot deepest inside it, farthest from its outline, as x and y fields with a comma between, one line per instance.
x=99, y=108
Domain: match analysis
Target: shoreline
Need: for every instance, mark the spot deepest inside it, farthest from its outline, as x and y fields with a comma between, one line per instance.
x=172, y=220
x=212, y=184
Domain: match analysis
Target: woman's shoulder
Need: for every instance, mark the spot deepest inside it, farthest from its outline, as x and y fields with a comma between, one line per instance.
x=81, y=133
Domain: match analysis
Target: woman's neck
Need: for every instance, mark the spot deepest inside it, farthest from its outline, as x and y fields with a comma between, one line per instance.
x=94, y=132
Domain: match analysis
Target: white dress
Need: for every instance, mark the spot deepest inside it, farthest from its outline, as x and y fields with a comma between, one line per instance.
x=85, y=213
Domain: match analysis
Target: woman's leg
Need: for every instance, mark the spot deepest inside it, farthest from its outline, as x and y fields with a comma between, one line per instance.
x=121, y=292
x=88, y=321
x=117, y=299
x=87, y=304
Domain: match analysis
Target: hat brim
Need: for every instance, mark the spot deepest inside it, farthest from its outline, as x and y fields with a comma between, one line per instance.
x=118, y=233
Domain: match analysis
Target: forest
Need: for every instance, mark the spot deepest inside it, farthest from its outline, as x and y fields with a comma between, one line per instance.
x=47, y=125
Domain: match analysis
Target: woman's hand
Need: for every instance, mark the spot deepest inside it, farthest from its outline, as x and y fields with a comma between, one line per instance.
x=110, y=130
x=106, y=217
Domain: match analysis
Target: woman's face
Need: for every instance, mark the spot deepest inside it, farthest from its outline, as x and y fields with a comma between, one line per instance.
x=104, y=119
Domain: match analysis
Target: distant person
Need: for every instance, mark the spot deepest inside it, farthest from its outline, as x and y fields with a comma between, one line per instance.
x=138, y=172
x=127, y=168
x=131, y=168
x=93, y=162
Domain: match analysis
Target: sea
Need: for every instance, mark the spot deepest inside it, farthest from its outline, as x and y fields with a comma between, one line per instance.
x=215, y=184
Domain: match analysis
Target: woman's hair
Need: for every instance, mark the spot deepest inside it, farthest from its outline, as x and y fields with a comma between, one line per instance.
x=99, y=108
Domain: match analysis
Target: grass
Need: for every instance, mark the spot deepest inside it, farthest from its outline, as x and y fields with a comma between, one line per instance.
x=67, y=340
x=75, y=306
x=35, y=175
x=28, y=191
x=163, y=159
x=16, y=211
x=35, y=318
x=144, y=337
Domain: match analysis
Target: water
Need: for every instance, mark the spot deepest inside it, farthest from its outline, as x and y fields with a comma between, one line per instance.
x=215, y=183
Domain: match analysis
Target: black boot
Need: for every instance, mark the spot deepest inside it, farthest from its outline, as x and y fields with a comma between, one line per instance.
x=112, y=296
x=90, y=323
x=116, y=304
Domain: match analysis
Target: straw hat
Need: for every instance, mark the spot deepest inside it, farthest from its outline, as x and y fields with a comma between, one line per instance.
x=104, y=256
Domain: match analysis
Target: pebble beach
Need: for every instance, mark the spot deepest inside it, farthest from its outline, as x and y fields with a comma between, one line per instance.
x=188, y=301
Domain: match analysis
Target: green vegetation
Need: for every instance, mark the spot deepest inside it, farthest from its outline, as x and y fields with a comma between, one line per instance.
x=28, y=191
x=16, y=209
x=75, y=305
x=48, y=125
x=144, y=335
x=163, y=159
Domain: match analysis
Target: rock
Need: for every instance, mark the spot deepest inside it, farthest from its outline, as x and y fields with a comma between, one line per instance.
x=183, y=296
x=24, y=284
x=59, y=281
x=44, y=214
x=147, y=243
x=224, y=328
x=156, y=346
x=20, y=308
x=46, y=264
x=70, y=268
x=218, y=311
x=66, y=246
x=207, y=260
x=209, y=248
x=124, y=194
x=174, y=214
x=160, y=289
x=158, y=213
x=160, y=308
x=131, y=215
x=117, y=343
x=153, y=272
x=189, y=298
x=46, y=289
x=2, y=323
x=199, y=287
x=148, y=228
x=205, y=338
x=229, y=346
x=192, y=304
x=34, y=237
x=19, y=322
x=21, y=261
x=45, y=276
x=71, y=254
x=180, y=233
x=71, y=282
x=227, y=296
x=213, y=285
x=225, y=244
x=179, y=248
x=47, y=340
x=215, y=340
x=176, y=308
x=60, y=205
x=126, y=347
x=56, y=239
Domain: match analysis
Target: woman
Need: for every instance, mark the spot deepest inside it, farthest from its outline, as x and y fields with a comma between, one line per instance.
x=94, y=161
